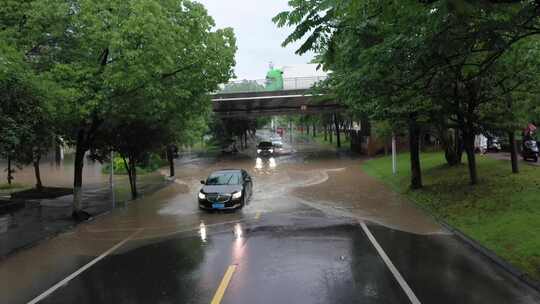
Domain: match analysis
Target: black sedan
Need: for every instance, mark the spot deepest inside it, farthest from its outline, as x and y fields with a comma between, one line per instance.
x=265, y=148
x=225, y=190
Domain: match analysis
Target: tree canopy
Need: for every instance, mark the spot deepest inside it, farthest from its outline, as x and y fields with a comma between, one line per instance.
x=450, y=64
x=118, y=63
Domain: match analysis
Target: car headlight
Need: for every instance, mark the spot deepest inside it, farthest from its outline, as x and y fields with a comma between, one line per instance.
x=202, y=195
x=237, y=195
x=258, y=150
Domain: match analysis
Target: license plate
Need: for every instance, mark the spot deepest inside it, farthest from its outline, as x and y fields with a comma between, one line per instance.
x=218, y=206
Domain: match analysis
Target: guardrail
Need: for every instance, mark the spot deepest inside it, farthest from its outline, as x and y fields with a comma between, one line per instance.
x=265, y=85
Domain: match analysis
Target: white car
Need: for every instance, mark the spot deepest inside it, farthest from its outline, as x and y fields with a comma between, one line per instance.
x=276, y=142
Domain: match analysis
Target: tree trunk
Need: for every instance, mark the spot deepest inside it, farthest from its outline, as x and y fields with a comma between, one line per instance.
x=414, y=142
x=57, y=151
x=9, y=171
x=450, y=146
x=39, y=184
x=468, y=138
x=132, y=175
x=338, y=137
x=314, y=130
x=459, y=145
x=134, y=190
x=325, y=133
x=330, y=133
x=513, y=151
x=128, y=169
x=80, y=151
x=170, y=158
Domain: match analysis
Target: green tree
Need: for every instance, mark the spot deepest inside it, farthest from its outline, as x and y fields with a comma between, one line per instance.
x=135, y=57
x=371, y=74
x=25, y=125
x=243, y=86
x=423, y=62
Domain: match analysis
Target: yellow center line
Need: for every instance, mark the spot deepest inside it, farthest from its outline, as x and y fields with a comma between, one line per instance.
x=258, y=215
x=223, y=285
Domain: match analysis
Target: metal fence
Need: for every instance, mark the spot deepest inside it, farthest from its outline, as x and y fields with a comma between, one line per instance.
x=263, y=85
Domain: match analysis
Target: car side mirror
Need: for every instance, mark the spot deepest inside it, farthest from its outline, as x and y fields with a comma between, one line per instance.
x=203, y=182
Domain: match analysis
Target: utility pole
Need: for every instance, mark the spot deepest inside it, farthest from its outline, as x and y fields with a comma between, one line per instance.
x=290, y=131
x=394, y=155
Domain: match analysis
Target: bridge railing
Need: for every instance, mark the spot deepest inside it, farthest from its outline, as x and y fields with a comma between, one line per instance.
x=264, y=85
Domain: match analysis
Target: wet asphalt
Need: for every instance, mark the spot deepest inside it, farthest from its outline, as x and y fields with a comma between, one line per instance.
x=299, y=240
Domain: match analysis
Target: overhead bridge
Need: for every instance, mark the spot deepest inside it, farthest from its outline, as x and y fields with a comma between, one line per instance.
x=289, y=101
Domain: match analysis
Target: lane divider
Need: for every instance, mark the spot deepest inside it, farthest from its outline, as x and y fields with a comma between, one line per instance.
x=406, y=288
x=49, y=291
x=220, y=292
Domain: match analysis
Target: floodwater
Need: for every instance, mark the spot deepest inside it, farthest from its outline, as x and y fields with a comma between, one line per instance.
x=25, y=224
x=316, y=177
x=56, y=174
x=298, y=240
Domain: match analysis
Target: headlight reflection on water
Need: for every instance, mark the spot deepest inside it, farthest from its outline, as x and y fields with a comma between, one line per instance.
x=258, y=163
x=202, y=232
x=272, y=163
x=261, y=164
x=238, y=245
x=238, y=233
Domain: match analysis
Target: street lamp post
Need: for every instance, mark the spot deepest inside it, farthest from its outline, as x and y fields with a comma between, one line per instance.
x=111, y=180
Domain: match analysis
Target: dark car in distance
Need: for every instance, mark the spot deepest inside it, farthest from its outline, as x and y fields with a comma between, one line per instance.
x=226, y=190
x=265, y=148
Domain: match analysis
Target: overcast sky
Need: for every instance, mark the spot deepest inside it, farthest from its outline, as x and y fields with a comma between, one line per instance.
x=259, y=40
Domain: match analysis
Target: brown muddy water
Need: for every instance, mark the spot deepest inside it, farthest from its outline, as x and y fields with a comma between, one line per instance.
x=55, y=174
x=294, y=184
x=306, y=175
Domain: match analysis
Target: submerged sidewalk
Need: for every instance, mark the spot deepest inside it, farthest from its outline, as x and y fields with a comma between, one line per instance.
x=36, y=220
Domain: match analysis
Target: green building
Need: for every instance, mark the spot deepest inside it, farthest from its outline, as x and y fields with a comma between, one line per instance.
x=274, y=80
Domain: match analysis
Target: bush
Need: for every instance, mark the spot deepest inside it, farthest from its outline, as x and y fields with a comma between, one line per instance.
x=153, y=163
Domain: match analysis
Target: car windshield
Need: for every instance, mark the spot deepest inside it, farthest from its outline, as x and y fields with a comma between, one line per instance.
x=224, y=178
x=265, y=145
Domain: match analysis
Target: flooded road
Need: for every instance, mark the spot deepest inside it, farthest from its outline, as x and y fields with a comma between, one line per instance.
x=56, y=174
x=25, y=223
x=317, y=230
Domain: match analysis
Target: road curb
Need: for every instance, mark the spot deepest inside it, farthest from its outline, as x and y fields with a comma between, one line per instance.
x=36, y=242
x=492, y=256
x=8, y=205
